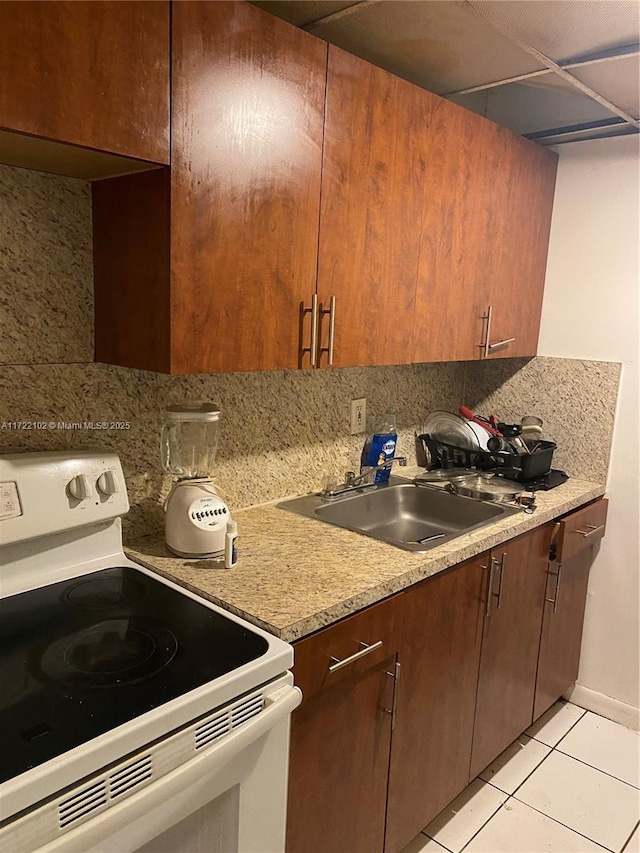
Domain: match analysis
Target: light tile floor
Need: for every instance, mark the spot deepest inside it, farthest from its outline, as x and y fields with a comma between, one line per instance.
x=570, y=784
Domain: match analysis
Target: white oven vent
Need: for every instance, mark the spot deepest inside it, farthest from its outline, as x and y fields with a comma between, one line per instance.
x=82, y=803
x=222, y=723
x=130, y=776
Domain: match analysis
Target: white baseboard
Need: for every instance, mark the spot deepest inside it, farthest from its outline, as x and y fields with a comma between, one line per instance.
x=606, y=706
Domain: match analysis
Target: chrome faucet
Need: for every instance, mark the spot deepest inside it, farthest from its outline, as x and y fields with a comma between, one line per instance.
x=364, y=480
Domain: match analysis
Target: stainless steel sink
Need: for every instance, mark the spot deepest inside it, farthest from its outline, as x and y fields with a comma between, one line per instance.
x=412, y=517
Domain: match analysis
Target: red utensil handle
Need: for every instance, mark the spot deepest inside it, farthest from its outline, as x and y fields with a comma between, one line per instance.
x=468, y=414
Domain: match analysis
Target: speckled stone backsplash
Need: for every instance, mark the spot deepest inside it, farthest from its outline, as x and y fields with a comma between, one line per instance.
x=575, y=399
x=282, y=432
x=46, y=275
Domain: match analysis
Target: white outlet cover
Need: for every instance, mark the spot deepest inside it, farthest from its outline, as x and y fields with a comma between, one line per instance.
x=359, y=416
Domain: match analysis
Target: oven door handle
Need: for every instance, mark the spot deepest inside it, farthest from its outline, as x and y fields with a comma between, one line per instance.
x=165, y=793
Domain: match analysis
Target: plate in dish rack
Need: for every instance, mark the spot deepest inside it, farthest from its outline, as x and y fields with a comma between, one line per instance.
x=452, y=429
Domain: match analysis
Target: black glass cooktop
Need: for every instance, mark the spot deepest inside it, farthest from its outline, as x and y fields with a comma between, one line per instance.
x=80, y=657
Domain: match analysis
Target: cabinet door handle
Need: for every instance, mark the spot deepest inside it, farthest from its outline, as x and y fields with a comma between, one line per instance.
x=394, y=706
x=502, y=564
x=503, y=343
x=331, y=311
x=554, y=600
x=490, y=567
x=591, y=529
x=338, y=664
x=487, y=346
x=314, y=330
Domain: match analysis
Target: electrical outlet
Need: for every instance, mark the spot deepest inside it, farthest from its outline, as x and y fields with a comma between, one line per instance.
x=358, y=416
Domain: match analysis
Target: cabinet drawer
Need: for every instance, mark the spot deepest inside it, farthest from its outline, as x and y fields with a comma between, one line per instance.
x=580, y=530
x=347, y=650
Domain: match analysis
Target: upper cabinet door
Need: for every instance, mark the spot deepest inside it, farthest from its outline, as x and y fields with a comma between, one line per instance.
x=485, y=234
x=373, y=181
x=457, y=252
x=524, y=188
x=247, y=116
x=94, y=74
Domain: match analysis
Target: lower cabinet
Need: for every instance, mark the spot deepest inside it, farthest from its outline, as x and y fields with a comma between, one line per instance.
x=565, y=602
x=438, y=654
x=514, y=601
x=406, y=701
x=341, y=735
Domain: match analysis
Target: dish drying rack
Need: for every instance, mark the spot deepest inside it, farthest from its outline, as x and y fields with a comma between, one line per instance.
x=520, y=467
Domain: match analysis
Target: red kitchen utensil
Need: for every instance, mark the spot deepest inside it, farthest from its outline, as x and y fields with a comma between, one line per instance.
x=468, y=414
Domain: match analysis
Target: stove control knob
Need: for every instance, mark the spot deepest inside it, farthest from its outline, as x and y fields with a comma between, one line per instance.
x=106, y=483
x=78, y=488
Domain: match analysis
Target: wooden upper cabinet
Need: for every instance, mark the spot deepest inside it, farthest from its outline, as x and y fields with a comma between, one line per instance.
x=456, y=253
x=372, y=190
x=95, y=74
x=247, y=107
x=236, y=228
x=524, y=187
x=485, y=233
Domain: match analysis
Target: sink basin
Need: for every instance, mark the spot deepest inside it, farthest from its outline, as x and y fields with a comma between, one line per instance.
x=415, y=518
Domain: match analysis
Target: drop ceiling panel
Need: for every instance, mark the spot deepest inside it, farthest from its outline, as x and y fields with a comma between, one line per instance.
x=301, y=12
x=618, y=81
x=565, y=29
x=442, y=46
x=527, y=109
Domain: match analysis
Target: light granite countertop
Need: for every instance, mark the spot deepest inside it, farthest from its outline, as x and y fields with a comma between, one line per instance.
x=296, y=575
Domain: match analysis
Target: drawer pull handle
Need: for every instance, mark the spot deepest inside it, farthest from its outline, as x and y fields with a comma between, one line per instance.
x=338, y=664
x=503, y=343
x=593, y=528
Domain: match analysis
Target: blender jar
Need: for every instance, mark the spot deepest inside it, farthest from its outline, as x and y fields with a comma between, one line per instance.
x=190, y=439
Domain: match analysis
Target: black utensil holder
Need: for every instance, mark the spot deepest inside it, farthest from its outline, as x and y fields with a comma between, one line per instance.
x=513, y=466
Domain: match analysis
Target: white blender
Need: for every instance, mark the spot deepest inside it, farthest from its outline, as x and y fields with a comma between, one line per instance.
x=196, y=517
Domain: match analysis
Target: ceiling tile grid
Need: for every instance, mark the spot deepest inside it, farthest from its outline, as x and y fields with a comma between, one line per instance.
x=536, y=66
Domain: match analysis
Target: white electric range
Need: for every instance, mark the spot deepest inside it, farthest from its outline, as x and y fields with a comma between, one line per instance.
x=133, y=714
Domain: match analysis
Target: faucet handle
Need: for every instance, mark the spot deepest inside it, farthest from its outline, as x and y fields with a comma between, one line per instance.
x=349, y=478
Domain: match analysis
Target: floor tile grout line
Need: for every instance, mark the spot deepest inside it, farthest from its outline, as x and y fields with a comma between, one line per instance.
x=448, y=849
x=626, y=843
x=487, y=822
x=599, y=769
x=530, y=774
x=566, y=826
x=584, y=711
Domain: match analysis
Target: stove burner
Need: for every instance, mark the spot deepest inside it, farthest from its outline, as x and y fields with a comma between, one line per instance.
x=112, y=653
x=100, y=593
x=109, y=649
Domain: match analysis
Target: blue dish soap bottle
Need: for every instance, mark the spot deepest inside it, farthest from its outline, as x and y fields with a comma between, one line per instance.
x=381, y=445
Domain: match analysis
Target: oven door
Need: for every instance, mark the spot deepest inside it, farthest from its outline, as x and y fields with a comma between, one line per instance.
x=231, y=796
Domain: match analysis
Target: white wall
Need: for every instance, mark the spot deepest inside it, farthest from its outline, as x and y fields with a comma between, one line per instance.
x=590, y=311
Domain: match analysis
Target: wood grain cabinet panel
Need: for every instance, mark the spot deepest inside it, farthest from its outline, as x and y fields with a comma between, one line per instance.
x=511, y=638
x=373, y=181
x=439, y=655
x=240, y=221
x=341, y=735
x=94, y=74
x=484, y=240
x=523, y=186
x=562, y=623
x=572, y=554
